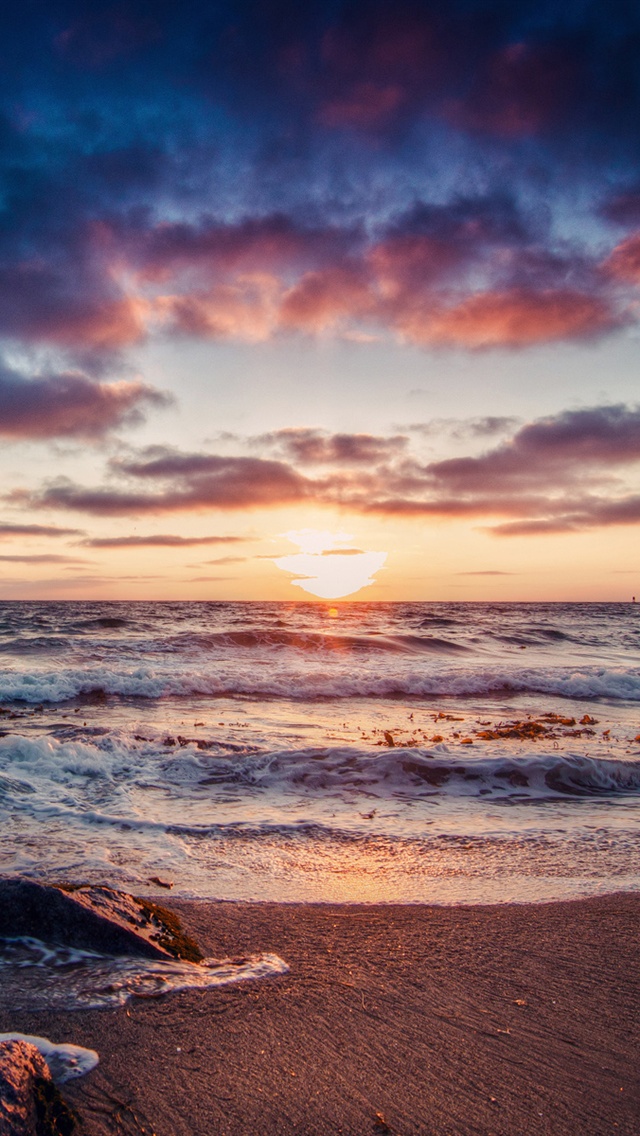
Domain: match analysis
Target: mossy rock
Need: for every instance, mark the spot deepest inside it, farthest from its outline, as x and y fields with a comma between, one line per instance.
x=53, y=1115
x=170, y=935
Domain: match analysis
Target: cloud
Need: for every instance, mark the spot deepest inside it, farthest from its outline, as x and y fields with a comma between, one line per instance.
x=491, y=424
x=98, y=38
x=515, y=318
x=326, y=300
x=210, y=579
x=624, y=262
x=69, y=405
x=192, y=482
x=228, y=172
x=45, y=558
x=342, y=552
x=157, y=540
x=276, y=242
x=623, y=208
x=70, y=299
x=577, y=517
x=227, y=560
x=476, y=271
x=487, y=572
x=315, y=447
x=485, y=426
x=522, y=89
x=8, y=530
x=564, y=472
x=548, y=453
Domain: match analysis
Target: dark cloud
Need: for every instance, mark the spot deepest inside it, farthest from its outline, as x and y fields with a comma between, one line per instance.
x=562, y=473
x=342, y=552
x=276, y=242
x=227, y=560
x=158, y=540
x=486, y=426
x=551, y=452
x=69, y=405
x=623, y=208
x=315, y=447
x=192, y=482
x=121, y=124
x=210, y=579
x=589, y=514
x=8, y=530
x=491, y=424
x=45, y=558
x=97, y=36
x=487, y=572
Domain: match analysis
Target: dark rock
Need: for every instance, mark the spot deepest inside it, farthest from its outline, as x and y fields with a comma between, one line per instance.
x=30, y=1104
x=94, y=919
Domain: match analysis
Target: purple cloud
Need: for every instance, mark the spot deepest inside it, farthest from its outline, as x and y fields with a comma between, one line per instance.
x=69, y=405
x=157, y=540
x=560, y=473
x=8, y=530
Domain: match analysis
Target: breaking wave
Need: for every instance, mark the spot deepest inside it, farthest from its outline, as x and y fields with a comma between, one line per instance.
x=264, y=678
x=90, y=777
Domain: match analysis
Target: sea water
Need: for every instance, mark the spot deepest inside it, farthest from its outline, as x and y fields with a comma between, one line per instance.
x=354, y=752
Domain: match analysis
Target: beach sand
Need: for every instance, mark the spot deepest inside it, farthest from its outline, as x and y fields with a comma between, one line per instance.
x=393, y=1019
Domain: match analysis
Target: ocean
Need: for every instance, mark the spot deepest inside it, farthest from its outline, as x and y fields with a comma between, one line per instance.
x=408, y=752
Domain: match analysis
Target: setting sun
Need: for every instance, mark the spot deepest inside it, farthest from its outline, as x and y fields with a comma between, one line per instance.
x=325, y=569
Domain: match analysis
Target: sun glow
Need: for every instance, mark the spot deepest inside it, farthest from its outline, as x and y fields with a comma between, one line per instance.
x=327, y=566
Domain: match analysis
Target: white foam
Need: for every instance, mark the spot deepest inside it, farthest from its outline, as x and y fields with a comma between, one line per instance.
x=312, y=678
x=65, y=1061
x=42, y=975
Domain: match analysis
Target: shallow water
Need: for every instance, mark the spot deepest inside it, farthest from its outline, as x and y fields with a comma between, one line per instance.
x=280, y=751
x=34, y=975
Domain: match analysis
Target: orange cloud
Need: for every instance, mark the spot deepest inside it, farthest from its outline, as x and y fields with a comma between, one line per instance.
x=246, y=309
x=513, y=318
x=117, y=323
x=321, y=301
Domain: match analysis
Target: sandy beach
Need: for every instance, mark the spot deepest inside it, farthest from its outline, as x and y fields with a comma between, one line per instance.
x=411, y=1020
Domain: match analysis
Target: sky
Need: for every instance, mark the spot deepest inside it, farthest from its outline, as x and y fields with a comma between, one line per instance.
x=322, y=299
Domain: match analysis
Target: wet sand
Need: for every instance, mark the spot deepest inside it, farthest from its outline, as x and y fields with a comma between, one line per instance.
x=393, y=1019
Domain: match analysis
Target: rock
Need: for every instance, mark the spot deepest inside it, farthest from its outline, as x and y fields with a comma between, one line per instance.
x=30, y=1104
x=66, y=1062
x=94, y=919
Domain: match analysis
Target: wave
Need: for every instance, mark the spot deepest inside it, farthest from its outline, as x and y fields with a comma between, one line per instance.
x=53, y=777
x=103, y=622
x=283, y=679
x=311, y=641
x=37, y=976
x=36, y=645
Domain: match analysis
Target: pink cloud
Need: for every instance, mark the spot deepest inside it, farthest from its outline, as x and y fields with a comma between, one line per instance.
x=513, y=318
x=624, y=262
x=322, y=301
x=108, y=325
x=562, y=473
x=246, y=309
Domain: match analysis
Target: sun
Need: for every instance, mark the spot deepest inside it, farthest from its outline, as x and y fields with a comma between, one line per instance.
x=326, y=566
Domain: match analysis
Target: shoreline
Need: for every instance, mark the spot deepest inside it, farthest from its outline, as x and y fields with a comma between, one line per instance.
x=409, y=1019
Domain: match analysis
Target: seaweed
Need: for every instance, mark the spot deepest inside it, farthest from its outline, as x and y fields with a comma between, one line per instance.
x=170, y=936
x=53, y=1115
